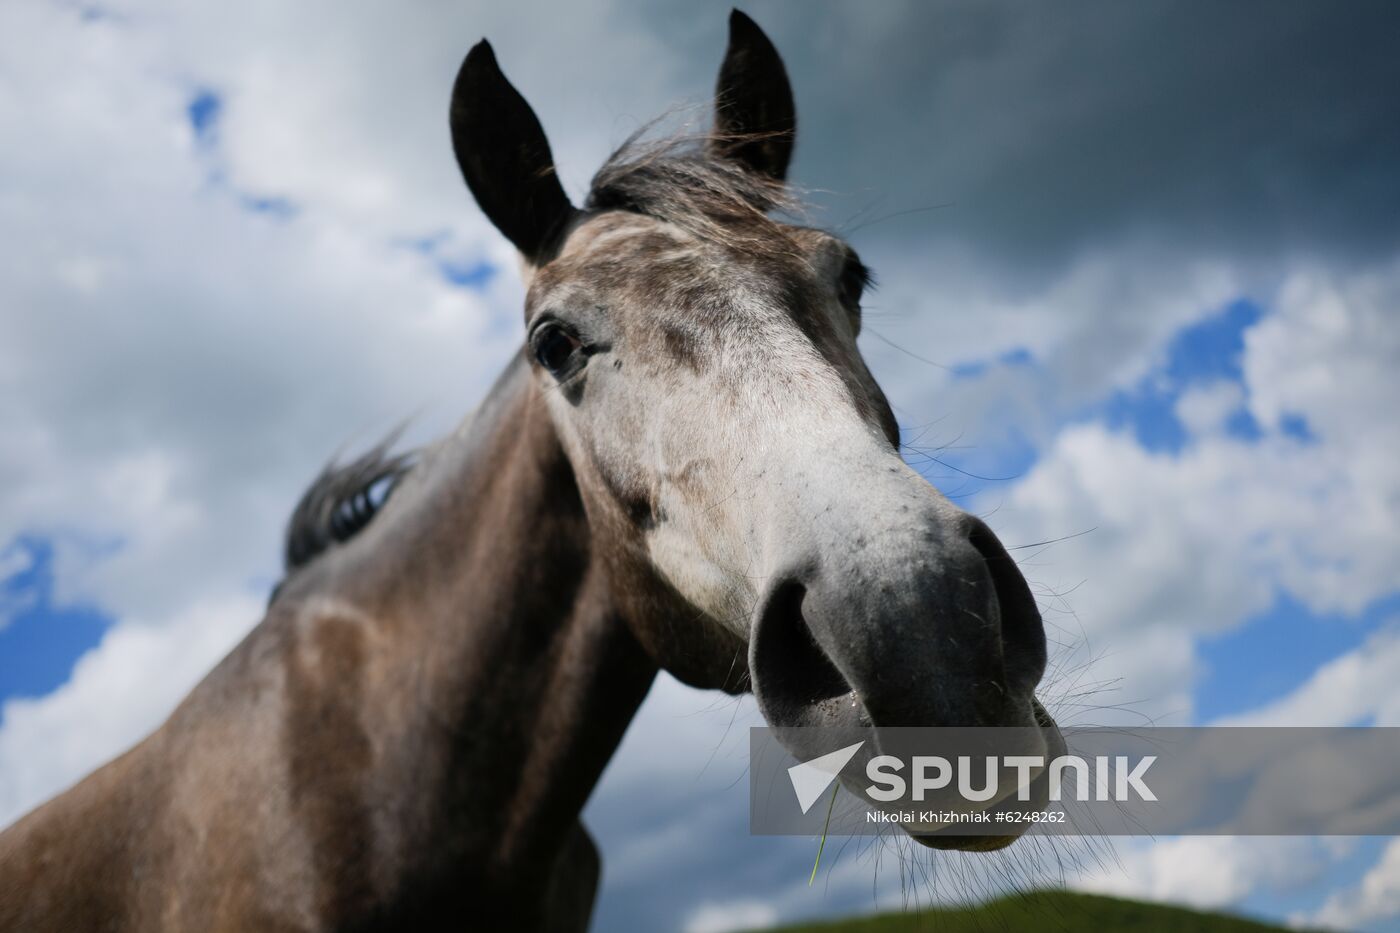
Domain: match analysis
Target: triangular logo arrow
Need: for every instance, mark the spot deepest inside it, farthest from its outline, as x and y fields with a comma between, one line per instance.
x=811, y=778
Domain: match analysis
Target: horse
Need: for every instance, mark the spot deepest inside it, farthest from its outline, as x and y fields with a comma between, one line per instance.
x=687, y=467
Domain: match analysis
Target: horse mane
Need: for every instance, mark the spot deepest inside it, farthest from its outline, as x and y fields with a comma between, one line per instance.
x=342, y=501
x=685, y=179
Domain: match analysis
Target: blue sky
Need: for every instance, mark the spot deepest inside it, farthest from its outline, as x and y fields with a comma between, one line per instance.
x=1137, y=291
x=41, y=641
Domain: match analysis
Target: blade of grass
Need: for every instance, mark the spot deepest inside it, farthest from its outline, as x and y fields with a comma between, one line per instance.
x=835, y=787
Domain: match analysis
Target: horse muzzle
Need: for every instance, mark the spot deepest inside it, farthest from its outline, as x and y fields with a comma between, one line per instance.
x=926, y=623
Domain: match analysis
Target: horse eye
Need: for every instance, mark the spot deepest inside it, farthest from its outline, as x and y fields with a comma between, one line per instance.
x=554, y=347
x=855, y=278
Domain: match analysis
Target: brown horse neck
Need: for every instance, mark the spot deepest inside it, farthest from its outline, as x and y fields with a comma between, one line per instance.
x=498, y=678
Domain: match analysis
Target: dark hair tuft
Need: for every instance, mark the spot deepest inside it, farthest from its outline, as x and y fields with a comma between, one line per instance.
x=342, y=501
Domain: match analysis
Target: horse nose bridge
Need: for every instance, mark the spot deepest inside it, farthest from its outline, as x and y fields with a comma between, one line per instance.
x=868, y=514
x=905, y=582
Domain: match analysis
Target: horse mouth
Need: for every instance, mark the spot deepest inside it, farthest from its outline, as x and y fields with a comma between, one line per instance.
x=1016, y=815
x=1010, y=815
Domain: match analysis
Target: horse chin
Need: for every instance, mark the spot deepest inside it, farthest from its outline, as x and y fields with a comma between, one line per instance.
x=1039, y=797
x=965, y=843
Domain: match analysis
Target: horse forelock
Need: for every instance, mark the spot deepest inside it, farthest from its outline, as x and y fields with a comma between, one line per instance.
x=680, y=179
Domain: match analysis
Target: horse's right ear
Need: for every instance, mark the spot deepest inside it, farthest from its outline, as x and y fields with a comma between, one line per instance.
x=504, y=156
x=755, y=119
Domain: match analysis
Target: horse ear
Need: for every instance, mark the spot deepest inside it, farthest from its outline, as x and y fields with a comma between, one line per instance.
x=504, y=156
x=755, y=120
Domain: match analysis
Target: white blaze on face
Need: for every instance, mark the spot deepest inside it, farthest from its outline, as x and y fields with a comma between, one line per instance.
x=761, y=458
x=752, y=449
x=724, y=538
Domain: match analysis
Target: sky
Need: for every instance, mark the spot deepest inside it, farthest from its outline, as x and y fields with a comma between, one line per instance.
x=1138, y=271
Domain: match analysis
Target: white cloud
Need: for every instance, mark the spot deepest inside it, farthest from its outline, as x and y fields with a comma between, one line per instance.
x=1215, y=872
x=1205, y=409
x=1331, y=354
x=1100, y=323
x=1196, y=542
x=14, y=560
x=345, y=109
x=1208, y=872
x=117, y=694
x=1363, y=906
x=1357, y=688
x=733, y=915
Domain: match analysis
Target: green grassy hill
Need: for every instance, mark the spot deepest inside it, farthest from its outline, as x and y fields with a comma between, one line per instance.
x=1047, y=912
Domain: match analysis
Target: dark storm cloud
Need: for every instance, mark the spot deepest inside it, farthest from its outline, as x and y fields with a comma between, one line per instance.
x=1244, y=128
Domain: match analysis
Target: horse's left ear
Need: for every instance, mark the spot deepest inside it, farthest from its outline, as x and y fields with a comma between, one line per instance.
x=504, y=156
x=755, y=119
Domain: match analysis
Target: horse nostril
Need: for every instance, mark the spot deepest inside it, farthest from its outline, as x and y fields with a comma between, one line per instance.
x=786, y=657
x=1022, y=631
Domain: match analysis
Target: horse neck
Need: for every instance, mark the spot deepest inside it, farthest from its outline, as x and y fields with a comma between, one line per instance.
x=503, y=677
